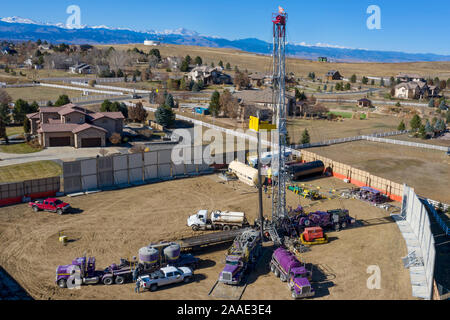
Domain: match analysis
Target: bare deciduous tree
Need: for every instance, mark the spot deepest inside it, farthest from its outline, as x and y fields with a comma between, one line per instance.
x=118, y=60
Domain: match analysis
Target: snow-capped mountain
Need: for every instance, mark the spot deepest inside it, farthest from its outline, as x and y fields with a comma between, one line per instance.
x=22, y=29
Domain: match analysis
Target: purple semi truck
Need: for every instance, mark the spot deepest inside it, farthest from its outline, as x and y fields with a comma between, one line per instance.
x=285, y=265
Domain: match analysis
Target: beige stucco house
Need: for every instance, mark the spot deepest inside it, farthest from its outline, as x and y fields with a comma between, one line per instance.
x=74, y=126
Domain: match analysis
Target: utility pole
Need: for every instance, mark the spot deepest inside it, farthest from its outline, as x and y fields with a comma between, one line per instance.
x=258, y=150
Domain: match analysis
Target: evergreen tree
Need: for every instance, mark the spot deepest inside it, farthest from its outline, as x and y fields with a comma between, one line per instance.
x=415, y=122
x=305, y=137
x=164, y=116
x=184, y=66
x=62, y=100
x=195, y=87
x=422, y=132
x=214, y=105
x=428, y=127
x=382, y=82
x=401, y=126
x=353, y=78
x=169, y=101
x=431, y=103
x=198, y=61
x=220, y=63
x=228, y=67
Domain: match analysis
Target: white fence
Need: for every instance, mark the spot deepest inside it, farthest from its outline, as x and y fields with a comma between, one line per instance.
x=84, y=84
x=414, y=225
x=380, y=102
x=407, y=143
x=220, y=129
x=50, y=85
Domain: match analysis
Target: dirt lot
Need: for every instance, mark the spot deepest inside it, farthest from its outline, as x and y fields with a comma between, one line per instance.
x=425, y=170
x=115, y=224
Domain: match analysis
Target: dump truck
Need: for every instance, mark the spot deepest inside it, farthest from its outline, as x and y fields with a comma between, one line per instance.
x=219, y=220
x=241, y=257
x=313, y=235
x=288, y=268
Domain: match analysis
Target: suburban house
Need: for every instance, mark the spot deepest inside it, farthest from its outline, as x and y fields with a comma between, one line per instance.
x=364, y=103
x=263, y=98
x=407, y=77
x=74, y=126
x=209, y=75
x=415, y=90
x=81, y=68
x=7, y=50
x=333, y=75
x=173, y=62
x=259, y=79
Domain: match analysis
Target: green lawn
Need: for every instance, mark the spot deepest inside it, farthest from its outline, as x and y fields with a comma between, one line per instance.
x=14, y=130
x=29, y=171
x=346, y=115
x=18, y=148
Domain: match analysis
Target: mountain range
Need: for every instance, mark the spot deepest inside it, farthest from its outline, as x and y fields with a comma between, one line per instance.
x=21, y=29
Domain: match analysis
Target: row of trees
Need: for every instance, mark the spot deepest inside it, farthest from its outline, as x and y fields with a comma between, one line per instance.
x=427, y=129
x=224, y=103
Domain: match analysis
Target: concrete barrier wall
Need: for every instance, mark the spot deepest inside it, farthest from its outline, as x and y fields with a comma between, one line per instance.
x=358, y=177
x=14, y=192
x=128, y=169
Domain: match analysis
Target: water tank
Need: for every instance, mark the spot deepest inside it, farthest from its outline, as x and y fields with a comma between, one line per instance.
x=172, y=252
x=148, y=255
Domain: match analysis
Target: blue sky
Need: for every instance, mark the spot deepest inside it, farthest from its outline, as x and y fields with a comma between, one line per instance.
x=406, y=25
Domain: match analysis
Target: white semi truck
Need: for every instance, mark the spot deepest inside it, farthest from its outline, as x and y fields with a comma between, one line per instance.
x=218, y=220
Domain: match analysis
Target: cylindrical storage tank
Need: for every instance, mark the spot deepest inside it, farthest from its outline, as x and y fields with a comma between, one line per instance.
x=297, y=171
x=244, y=172
x=172, y=252
x=148, y=255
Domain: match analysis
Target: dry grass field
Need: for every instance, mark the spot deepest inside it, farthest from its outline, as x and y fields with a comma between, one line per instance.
x=40, y=93
x=115, y=224
x=427, y=171
x=299, y=67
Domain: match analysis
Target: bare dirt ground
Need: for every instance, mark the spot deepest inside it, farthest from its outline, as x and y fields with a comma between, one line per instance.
x=115, y=224
x=427, y=171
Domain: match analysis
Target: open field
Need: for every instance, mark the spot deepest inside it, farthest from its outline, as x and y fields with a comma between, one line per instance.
x=321, y=130
x=254, y=62
x=30, y=170
x=427, y=171
x=40, y=93
x=436, y=142
x=115, y=224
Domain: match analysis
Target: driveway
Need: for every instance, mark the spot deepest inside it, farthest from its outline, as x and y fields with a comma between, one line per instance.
x=55, y=153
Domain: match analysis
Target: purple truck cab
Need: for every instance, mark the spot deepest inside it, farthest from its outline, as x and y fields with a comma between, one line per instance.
x=85, y=267
x=233, y=270
x=300, y=288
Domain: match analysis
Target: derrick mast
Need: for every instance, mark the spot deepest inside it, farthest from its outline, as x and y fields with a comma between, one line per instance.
x=279, y=117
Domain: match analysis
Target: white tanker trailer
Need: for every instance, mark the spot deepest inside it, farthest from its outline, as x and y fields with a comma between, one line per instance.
x=219, y=220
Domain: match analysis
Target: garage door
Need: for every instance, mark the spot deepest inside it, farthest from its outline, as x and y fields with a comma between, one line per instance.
x=59, y=142
x=91, y=142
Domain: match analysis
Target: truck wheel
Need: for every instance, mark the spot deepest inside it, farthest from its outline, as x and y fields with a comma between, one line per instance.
x=120, y=280
x=153, y=287
x=35, y=209
x=108, y=281
x=277, y=273
x=195, y=227
x=187, y=279
x=62, y=283
x=283, y=278
x=235, y=228
x=336, y=227
x=293, y=295
x=59, y=211
x=307, y=223
x=344, y=225
x=226, y=228
x=272, y=268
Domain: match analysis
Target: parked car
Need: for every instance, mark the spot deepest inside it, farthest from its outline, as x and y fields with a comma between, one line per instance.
x=50, y=204
x=166, y=276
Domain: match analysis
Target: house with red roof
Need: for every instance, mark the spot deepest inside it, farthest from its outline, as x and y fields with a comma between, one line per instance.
x=71, y=125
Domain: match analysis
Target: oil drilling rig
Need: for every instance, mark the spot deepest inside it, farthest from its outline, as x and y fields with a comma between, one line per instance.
x=280, y=221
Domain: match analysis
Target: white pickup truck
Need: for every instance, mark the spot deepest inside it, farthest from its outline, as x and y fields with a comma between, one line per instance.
x=166, y=276
x=219, y=220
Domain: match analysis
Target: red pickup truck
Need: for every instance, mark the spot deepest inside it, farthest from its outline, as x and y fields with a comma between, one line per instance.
x=50, y=204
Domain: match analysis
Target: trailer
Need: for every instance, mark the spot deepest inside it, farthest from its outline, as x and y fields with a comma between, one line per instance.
x=219, y=220
x=213, y=238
